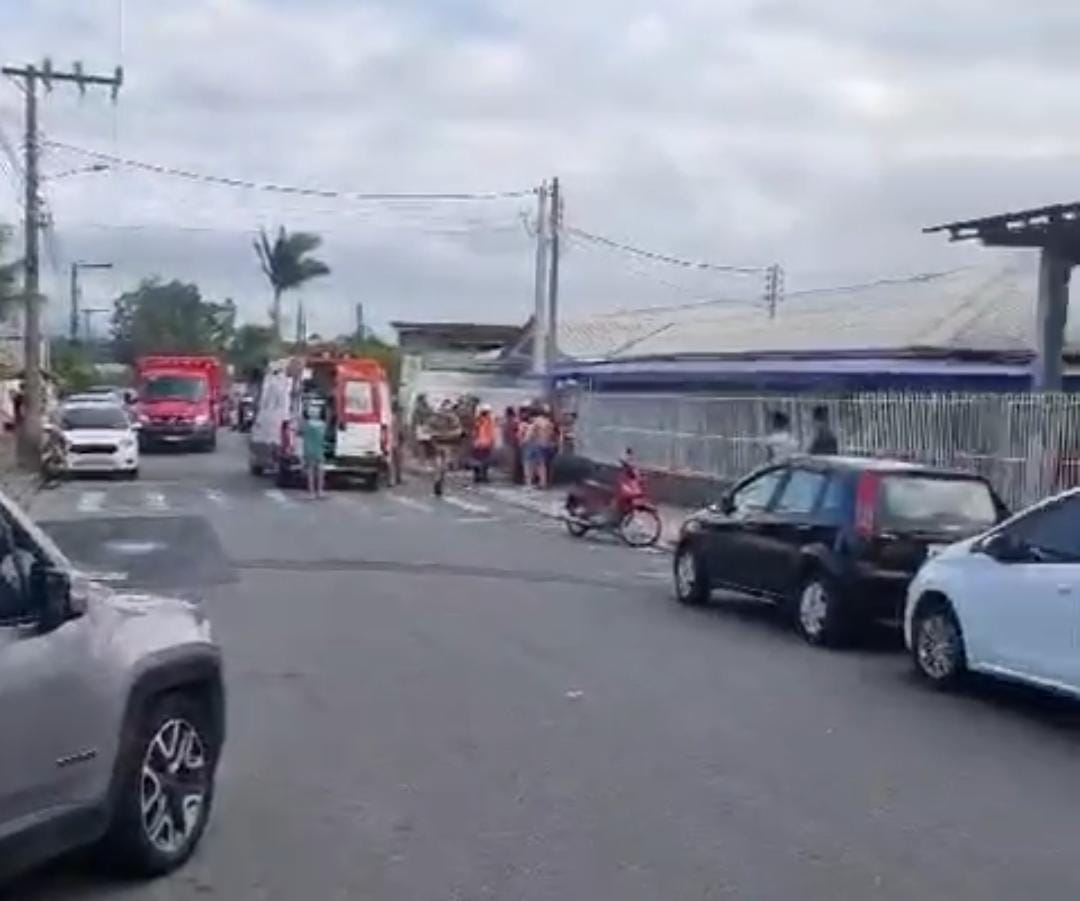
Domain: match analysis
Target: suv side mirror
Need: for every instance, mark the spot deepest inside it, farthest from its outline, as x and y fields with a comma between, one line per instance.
x=727, y=503
x=50, y=589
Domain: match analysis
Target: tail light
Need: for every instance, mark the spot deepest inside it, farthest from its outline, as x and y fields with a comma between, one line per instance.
x=866, y=501
x=384, y=438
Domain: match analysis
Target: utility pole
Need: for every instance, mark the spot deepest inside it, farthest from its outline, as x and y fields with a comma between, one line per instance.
x=555, y=219
x=29, y=437
x=73, y=324
x=540, y=323
x=774, y=288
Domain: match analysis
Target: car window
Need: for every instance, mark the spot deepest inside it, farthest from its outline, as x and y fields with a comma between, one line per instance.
x=800, y=492
x=835, y=499
x=755, y=495
x=1052, y=532
x=913, y=502
x=359, y=398
x=94, y=416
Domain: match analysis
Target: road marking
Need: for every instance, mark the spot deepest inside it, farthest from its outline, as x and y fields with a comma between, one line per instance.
x=467, y=506
x=155, y=500
x=474, y=520
x=215, y=496
x=411, y=503
x=278, y=496
x=91, y=501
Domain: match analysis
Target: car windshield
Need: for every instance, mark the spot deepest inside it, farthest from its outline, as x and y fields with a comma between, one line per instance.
x=93, y=416
x=174, y=387
x=912, y=503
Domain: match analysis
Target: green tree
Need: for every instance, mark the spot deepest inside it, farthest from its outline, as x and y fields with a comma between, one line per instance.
x=170, y=317
x=9, y=274
x=71, y=366
x=374, y=348
x=287, y=264
x=251, y=349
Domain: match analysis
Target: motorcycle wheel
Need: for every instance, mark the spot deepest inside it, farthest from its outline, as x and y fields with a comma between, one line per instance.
x=640, y=528
x=575, y=520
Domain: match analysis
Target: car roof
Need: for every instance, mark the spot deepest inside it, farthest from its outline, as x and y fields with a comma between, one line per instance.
x=92, y=404
x=882, y=465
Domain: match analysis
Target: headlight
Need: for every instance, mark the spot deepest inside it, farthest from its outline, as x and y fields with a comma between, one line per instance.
x=202, y=419
x=127, y=442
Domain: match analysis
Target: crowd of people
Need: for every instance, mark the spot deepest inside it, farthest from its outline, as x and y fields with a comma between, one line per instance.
x=524, y=439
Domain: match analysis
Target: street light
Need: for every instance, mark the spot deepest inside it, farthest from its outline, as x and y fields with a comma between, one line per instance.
x=73, y=325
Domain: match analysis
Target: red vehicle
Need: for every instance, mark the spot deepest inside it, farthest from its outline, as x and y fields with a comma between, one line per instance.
x=180, y=400
x=624, y=508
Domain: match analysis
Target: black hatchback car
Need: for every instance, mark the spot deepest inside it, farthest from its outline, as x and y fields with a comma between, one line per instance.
x=834, y=539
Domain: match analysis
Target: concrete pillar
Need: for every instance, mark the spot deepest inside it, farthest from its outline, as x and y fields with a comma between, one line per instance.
x=1051, y=313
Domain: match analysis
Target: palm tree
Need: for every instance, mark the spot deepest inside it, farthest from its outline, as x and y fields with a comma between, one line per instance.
x=287, y=264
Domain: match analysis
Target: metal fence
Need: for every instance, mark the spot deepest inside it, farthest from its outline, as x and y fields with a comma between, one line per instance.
x=1027, y=445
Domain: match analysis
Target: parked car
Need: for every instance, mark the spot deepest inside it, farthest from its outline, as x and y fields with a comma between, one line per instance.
x=834, y=539
x=113, y=708
x=1004, y=603
x=99, y=437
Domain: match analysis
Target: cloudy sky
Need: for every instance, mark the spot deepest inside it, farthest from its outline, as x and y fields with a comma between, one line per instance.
x=820, y=134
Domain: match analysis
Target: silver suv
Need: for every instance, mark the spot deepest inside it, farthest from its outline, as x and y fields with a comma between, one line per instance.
x=111, y=714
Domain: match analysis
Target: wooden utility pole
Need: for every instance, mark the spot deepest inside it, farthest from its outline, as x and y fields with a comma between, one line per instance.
x=555, y=219
x=29, y=436
x=540, y=322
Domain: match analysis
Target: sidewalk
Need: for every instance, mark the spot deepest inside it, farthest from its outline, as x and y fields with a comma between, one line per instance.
x=549, y=502
x=17, y=484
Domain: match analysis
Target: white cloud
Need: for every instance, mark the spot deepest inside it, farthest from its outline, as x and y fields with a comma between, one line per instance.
x=819, y=134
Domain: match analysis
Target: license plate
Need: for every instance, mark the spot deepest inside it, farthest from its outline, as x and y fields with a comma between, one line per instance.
x=95, y=462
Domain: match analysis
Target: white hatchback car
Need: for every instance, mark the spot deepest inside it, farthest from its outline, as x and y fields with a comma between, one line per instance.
x=99, y=437
x=1006, y=603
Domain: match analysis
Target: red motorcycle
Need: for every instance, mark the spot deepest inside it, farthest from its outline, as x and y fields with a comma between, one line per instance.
x=625, y=510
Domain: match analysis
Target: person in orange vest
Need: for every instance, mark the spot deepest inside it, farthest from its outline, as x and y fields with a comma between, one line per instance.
x=483, y=443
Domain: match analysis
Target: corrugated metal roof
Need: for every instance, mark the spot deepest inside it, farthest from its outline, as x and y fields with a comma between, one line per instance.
x=977, y=309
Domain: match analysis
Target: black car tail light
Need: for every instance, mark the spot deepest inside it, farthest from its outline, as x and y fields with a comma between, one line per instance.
x=866, y=501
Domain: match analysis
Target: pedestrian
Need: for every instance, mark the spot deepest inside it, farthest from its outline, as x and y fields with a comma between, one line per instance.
x=539, y=443
x=483, y=443
x=823, y=442
x=397, y=450
x=313, y=440
x=512, y=446
x=780, y=443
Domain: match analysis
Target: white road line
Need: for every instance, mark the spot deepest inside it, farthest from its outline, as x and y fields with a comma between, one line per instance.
x=474, y=520
x=277, y=496
x=467, y=506
x=215, y=496
x=155, y=500
x=411, y=503
x=91, y=501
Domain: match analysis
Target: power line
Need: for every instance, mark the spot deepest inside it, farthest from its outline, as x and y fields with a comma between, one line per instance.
x=245, y=184
x=612, y=244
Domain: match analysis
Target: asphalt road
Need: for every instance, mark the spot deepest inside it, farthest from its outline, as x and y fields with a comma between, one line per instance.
x=455, y=700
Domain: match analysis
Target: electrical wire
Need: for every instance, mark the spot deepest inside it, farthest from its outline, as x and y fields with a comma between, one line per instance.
x=655, y=257
x=244, y=184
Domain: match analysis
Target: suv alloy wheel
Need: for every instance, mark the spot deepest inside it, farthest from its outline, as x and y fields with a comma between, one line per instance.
x=166, y=787
x=817, y=611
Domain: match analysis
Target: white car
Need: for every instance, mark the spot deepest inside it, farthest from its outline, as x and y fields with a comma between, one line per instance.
x=99, y=437
x=1006, y=603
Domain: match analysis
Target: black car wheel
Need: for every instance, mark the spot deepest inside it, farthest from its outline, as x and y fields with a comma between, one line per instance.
x=818, y=617
x=691, y=579
x=937, y=644
x=165, y=788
